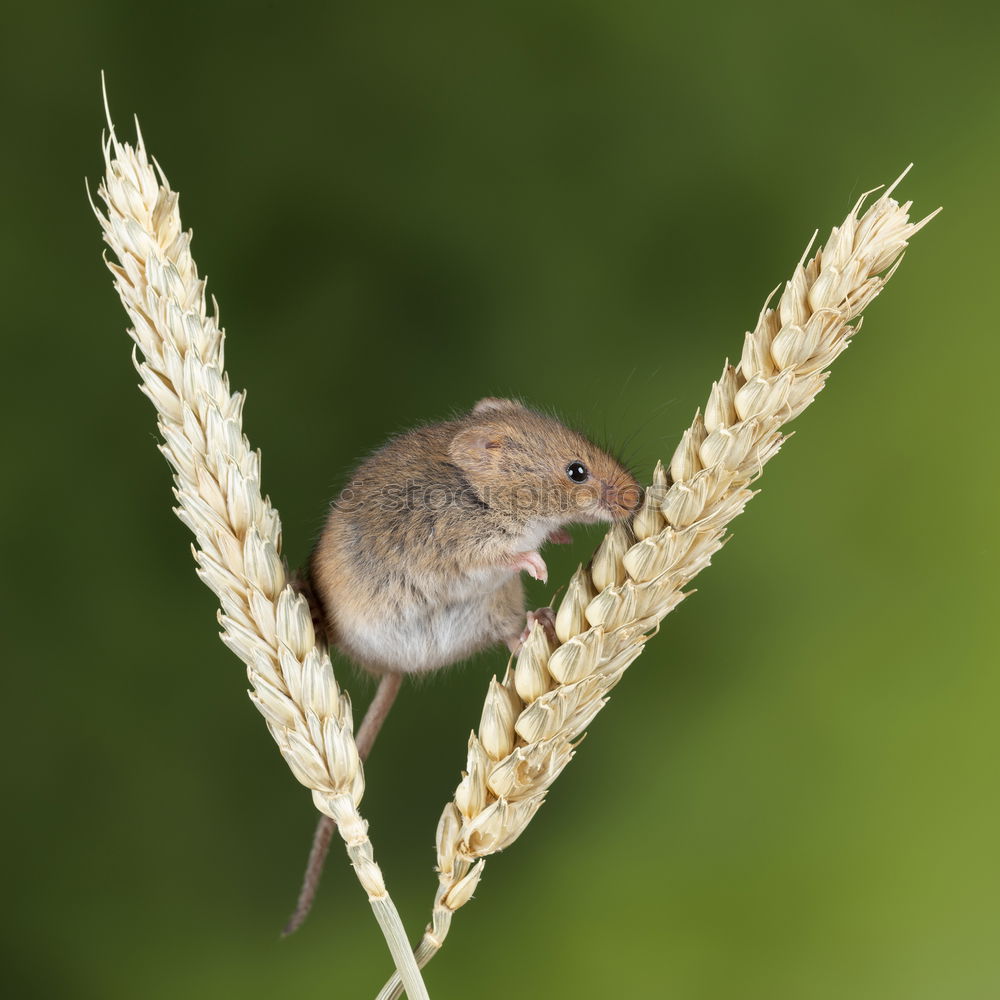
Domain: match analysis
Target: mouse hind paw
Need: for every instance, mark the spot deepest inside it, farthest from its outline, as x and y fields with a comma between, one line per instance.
x=546, y=617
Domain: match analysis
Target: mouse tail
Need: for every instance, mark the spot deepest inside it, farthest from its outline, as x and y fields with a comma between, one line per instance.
x=385, y=695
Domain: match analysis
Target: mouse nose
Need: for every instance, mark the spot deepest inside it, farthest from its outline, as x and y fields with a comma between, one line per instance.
x=621, y=500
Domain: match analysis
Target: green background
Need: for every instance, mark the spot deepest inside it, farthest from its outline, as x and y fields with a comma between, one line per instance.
x=403, y=207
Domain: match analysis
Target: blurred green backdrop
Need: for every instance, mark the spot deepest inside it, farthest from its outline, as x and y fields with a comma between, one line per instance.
x=403, y=207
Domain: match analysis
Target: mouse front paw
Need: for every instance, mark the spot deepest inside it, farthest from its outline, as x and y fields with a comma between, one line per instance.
x=532, y=563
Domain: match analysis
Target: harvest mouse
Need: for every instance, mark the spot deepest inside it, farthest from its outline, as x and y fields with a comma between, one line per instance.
x=419, y=563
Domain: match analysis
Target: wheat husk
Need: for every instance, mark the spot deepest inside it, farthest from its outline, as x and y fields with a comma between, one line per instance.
x=179, y=356
x=552, y=692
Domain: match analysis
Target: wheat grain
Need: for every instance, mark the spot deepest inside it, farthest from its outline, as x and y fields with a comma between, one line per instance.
x=179, y=356
x=533, y=717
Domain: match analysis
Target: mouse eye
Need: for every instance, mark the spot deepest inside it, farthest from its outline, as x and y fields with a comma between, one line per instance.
x=577, y=471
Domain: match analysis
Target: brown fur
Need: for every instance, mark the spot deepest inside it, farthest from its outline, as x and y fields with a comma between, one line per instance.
x=435, y=516
x=419, y=563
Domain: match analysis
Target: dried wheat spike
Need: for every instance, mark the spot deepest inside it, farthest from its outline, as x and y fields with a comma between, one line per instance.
x=533, y=719
x=179, y=356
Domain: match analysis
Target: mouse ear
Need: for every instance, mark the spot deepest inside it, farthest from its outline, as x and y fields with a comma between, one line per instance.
x=496, y=403
x=476, y=449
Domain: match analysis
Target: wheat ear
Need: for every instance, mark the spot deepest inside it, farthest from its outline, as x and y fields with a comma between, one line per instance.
x=179, y=356
x=548, y=697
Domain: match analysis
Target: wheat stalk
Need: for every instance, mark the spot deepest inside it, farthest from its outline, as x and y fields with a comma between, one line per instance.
x=179, y=356
x=548, y=697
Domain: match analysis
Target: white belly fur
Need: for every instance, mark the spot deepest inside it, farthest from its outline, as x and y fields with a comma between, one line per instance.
x=436, y=634
x=419, y=643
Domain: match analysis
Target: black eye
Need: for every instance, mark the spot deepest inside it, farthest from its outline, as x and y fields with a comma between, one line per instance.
x=577, y=471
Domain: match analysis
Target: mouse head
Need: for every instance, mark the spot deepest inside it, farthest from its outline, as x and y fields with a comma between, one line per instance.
x=534, y=469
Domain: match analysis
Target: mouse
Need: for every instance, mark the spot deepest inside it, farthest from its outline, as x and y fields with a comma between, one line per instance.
x=419, y=563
